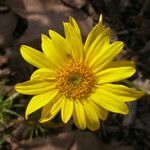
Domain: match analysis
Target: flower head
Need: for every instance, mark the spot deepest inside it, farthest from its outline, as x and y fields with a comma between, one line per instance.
x=78, y=80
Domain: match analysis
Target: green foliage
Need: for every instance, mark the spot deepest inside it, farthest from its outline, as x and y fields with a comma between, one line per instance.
x=37, y=130
x=6, y=106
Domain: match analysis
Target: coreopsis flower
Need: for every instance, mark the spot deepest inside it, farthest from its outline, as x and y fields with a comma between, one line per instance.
x=76, y=79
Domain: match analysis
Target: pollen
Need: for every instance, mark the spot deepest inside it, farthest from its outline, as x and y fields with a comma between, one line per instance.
x=75, y=81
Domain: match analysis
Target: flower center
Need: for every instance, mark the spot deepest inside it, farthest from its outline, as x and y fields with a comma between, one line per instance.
x=75, y=81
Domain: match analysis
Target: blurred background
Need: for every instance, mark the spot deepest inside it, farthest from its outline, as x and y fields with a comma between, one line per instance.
x=22, y=22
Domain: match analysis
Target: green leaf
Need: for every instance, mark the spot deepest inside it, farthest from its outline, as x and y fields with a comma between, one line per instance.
x=11, y=112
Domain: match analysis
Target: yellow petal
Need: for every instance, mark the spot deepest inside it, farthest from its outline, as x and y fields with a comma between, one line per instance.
x=94, y=33
x=47, y=46
x=92, y=119
x=109, y=103
x=98, y=47
x=75, y=25
x=44, y=73
x=56, y=107
x=45, y=114
x=101, y=18
x=55, y=55
x=79, y=115
x=35, y=57
x=50, y=110
x=60, y=44
x=39, y=101
x=118, y=70
x=74, y=41
x=120, y=92
x=101, y=112
x=120, y=63
x=34, y=87
x=66, y=110
x=107, y=55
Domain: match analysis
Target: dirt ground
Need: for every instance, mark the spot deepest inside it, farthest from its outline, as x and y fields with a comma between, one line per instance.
x=22, y=22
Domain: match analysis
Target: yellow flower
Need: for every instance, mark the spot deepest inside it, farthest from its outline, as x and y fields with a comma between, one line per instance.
x=76, y=79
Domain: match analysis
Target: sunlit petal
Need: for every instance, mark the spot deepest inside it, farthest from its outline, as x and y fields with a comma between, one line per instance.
x=52, y=51
x=51, y=110
x=107, y=55
x=92, y=119
x=94, y=33
x=74, y=42
x=67, y=109
x=101, y=112
x=75, y=25
x=34, y=87
x=116, y=71
x=109, y=103
x=79, y=115
x=39, y=101
x=120, y=92
x=35, y=57
x=44, y=74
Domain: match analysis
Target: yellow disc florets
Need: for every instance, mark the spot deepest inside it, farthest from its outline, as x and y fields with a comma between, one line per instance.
x=75, y=81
